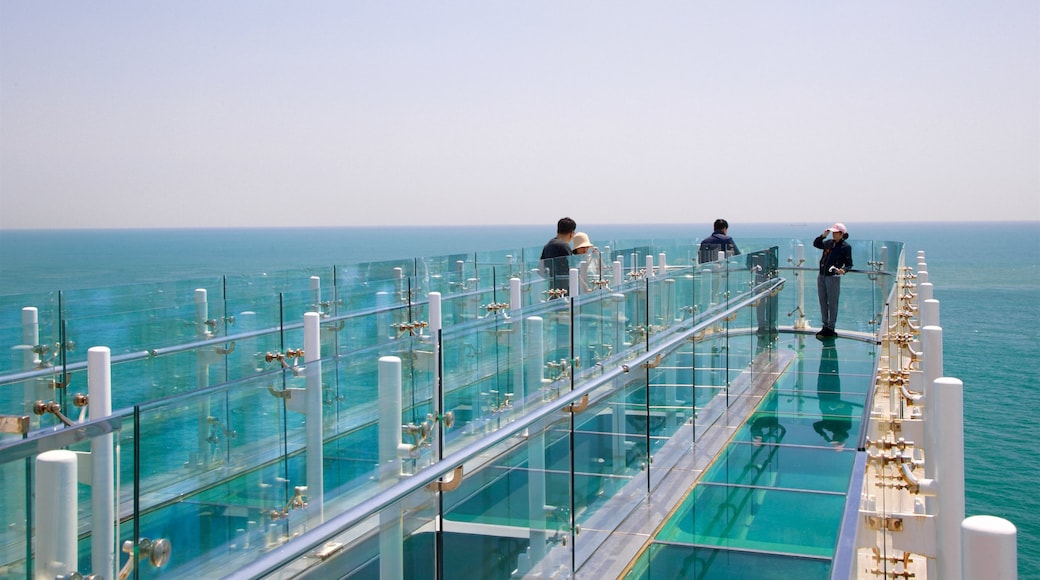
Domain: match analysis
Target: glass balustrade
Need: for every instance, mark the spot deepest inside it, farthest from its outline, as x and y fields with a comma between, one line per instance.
x=521, y=437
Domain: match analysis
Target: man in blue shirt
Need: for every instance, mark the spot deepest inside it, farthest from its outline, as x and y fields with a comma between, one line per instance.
x=718, y=241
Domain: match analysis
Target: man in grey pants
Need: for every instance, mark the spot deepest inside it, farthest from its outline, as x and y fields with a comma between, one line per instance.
x=835, y=261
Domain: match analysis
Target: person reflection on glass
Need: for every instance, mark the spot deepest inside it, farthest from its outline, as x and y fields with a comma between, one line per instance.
x=835, y=414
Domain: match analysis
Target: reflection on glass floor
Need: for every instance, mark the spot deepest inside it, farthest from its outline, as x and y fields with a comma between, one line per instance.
x=771, y=504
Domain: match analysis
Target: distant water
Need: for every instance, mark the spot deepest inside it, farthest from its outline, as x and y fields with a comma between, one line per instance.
x=986, y=276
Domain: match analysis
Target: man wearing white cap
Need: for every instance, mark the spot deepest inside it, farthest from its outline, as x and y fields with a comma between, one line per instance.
x=835, y=260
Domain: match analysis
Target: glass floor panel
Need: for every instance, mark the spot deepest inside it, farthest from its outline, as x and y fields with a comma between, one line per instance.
x=677, y=561
x=756, y=518
x=782, y=466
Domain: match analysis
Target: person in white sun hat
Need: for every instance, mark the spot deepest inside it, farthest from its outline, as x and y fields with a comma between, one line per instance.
x=835, y=261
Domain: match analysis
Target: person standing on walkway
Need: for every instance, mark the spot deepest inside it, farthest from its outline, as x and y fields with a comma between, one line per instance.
x=555, y=265
x=835, y=261
x=718, y=241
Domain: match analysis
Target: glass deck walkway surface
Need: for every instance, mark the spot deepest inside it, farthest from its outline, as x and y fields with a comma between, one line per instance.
x=450, y=413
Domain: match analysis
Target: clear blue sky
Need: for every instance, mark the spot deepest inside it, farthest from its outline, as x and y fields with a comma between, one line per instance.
x=253, y=113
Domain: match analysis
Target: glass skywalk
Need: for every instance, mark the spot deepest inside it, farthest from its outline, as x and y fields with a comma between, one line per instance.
x=448, y=413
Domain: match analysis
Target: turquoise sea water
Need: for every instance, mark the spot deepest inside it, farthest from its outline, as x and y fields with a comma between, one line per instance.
x=986, y=276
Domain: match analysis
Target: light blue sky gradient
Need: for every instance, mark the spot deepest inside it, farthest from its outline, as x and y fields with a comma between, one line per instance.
x=245, y=113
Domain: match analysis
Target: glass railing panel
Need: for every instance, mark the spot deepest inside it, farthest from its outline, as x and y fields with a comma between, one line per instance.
x=485, y=386
x=710, y=378
x=599, y=331
x=130, y=331
x=517, y=504
x=206, y=436
x=55, y=493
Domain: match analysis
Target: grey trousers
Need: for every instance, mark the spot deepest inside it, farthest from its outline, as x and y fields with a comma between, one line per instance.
x=828, y=287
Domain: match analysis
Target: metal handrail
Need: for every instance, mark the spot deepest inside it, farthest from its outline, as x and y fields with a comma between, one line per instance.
x=310, y=540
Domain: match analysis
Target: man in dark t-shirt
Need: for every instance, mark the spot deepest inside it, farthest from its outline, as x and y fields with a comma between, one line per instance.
x=554, y=263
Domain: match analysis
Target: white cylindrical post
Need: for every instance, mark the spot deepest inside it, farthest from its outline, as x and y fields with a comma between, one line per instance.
x=315, y=419
x=574, y=283
x=438, y=404
x=391, y=552
x=931, y=369
x=662, y=269
x=799, y=258
x=56, y=514
x=201, y=310
x=931, y=341
x=649, y=266
x=30, y=338
x=925, y=291
x=516, y=297
x=619, y=273
x=315, y=293
x=922, y=277
x=930, y=313
x=535, y=355
x=99, y=383
x=389, y=415
x=435, y=313
x=102, y=458
x=990, y=548
x=721, y=256
x=202, y=375
x=948, y=404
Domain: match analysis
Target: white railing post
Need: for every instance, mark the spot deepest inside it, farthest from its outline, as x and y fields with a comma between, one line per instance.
x=990, y=548
x=202, y=377
x=30, y=359
x=314, y=432
x=55, y=515
x=516, y=341
x=436, y=323
x=802, y=323
x=391, y=551
x=948, y=407
x=102, y=458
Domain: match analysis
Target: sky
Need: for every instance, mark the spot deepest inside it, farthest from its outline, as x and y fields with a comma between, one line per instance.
x=217, y=113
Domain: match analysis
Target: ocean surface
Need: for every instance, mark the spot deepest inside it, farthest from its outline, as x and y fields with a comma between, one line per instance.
x=986, y=277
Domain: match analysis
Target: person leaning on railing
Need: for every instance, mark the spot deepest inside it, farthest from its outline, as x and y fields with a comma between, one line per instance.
x=834, y=262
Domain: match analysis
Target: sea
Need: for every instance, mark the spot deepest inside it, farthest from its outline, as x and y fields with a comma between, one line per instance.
x=986, y=277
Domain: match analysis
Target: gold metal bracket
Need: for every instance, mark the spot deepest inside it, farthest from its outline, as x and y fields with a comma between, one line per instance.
x=653, y=363
x=449, y=485
x=226, y=351
x=578, y=407
x=40, y=408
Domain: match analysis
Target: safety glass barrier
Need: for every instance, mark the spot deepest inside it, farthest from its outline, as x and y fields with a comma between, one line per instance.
x=234, y=379
x=59, y=505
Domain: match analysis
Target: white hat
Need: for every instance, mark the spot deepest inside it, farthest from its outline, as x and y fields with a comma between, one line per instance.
x=580, y=240
x=838, y=227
